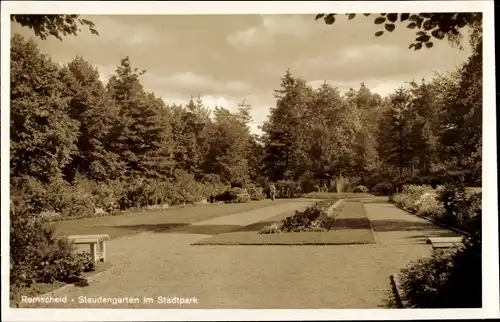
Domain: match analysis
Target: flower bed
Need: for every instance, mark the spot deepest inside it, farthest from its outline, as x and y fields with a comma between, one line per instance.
x=451, y=205
x=319, y=217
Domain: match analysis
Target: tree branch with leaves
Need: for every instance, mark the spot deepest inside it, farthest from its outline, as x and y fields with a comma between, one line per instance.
x=428, y=26
x=54, y=25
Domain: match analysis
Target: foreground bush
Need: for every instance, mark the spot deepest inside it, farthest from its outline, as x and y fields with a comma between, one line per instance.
x=314, y=218
x=448, y=279
x=37, y=256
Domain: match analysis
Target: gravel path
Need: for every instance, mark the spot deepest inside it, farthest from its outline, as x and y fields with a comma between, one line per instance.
x=165, y=265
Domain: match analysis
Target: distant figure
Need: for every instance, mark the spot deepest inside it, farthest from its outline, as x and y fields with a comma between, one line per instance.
x=272, y=191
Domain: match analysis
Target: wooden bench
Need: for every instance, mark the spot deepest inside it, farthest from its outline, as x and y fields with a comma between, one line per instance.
x=445, y=242
x=97, y=245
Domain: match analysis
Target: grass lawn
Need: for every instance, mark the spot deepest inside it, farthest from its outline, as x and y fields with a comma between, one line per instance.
x=38, y=289
x=127, y=224
x=351, y=227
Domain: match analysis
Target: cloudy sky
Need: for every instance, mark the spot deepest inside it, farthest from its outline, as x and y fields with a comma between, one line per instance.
x=228, y=58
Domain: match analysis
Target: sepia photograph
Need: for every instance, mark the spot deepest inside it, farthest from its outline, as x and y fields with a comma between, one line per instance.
x=234, y=156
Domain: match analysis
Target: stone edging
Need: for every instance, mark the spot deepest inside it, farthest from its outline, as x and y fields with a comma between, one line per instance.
x=335, y=205
x=434, y=221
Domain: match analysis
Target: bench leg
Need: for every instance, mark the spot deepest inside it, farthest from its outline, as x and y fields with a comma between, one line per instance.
x=93, y=252
x=103, y=250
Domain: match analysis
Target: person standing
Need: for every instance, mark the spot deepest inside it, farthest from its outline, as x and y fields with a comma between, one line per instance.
x=272, y=190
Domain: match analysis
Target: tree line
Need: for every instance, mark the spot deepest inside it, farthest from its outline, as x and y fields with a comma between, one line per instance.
x=66, y=123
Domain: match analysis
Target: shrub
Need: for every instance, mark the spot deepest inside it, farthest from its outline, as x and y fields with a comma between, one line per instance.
x=189, y=189
x=288, y=189
x=238, y=184
x=242, y=195
x=30, y=192
x=133, y=195
x=383, y=188
x=462, y=209
x=105, y=195
x=429, y=206
x=226, y=196
x=448, y=279
x=57, y=196
x=360, y=189
x=256, y=193
x=37, y=255
x=65, y=268
x=453, y=198
x=307, y=184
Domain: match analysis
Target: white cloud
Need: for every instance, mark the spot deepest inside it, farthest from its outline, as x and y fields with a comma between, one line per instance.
x=369, y=54
x=271, y=27
x=187, y=79
x=195, y=84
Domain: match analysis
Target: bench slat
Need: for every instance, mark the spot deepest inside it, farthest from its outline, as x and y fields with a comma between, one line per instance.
x=101, y=236
x=86, y=241
x=437, y=240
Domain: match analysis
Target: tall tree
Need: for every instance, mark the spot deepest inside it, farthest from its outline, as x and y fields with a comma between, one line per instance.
x=425, y=119
x=365, y=112
x=190, y=130
x=283, y=131
x=97, y=115
x=395, y=142
x=42, y=133
x=142, y=136
x=229, y=144
x=329, y=132
x=462, y=132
